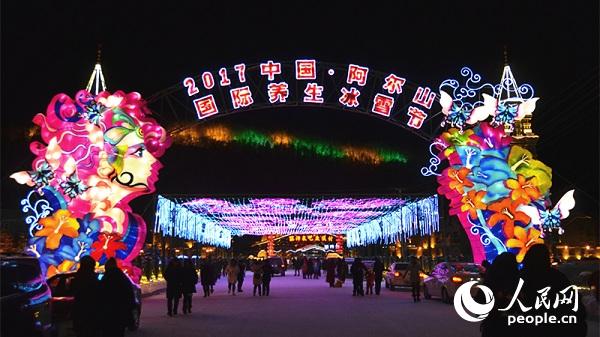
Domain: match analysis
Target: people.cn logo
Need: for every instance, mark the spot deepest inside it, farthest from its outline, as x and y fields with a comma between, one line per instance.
x=474, y=312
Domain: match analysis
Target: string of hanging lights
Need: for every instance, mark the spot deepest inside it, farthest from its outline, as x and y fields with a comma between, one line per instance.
x=364, y=220
x=419, y=217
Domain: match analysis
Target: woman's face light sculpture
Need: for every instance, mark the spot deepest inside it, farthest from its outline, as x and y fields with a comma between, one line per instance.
x=97, y=153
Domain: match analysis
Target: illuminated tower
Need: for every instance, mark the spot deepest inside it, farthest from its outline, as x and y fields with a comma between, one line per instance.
x=508, y=93
x=96, y=83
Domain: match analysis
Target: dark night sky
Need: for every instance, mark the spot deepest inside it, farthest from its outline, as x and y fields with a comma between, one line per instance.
x=49, y=47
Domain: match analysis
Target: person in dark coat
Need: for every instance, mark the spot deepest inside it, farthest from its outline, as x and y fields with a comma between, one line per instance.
x=378, y=270
x=415, y=280
x=147, y=266
x=330, y=275
x=502, y=277
x=155, y=264
x=216, y=268
x=224, y=265
x=342, y=270
x=207, y=276
x=537, y=273
x=266, y=278
x=311, y=268
x=85, y=287
x=485, y=264
x=189, y=278
x=297, y=266
x=317, y=268
x=304, y=267
x=358, y=275
x=117, y=300
x=174, y=286
x=241, y=276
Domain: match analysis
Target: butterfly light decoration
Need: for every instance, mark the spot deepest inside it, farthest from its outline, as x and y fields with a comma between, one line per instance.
x=550, y=218
x=458, y=114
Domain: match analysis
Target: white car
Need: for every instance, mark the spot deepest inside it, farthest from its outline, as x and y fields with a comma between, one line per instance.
x=397, y=275
x=446, y=277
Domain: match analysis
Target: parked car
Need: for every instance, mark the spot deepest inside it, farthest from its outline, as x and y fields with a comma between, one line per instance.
x=25, y=297
x=62, y=300
x=394, y=275
x=446, y=277
x=397, y=275
x=278, y=264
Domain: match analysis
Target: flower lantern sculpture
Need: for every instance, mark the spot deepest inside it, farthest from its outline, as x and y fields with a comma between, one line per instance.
x=98, y=152
x=499, y=192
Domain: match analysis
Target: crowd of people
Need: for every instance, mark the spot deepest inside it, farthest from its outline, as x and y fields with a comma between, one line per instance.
x=503, y=276
x=181, y=279
x=336, y=271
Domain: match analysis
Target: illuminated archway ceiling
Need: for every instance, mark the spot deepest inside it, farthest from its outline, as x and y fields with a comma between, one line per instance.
x=260, y=216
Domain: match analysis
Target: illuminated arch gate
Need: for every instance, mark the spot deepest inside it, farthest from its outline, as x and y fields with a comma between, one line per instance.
x=95, y=145
x=500, y=194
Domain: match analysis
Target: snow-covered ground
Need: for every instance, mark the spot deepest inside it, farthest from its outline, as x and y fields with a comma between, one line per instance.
x=298, y=307
x=302, y=308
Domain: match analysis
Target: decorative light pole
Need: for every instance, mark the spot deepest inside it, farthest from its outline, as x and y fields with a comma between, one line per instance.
x=97, y=78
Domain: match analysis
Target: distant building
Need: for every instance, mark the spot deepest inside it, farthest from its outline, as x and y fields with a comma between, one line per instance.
x=522, y=131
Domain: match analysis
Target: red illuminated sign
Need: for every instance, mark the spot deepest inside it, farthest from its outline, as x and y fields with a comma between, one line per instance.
x=308, y=82
x=205, y=106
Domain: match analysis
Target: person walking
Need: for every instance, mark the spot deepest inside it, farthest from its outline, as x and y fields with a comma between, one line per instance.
x=342, y=270
x=378, y=271
x=232, y=270
x=370, y=276
x=216, y=272
x=257, y=270
x=241, y=276
x=224, y=265
x=147, y=266
x=330, y=268
x=415, y=278
x=297, y=266
x=85, y=286
x=358, y=274
x=207, y=274
x=155, y=264
x=117, y=300
x=317, y=268
x=266, y=277
x=174, y=285
x=304, y=267
x=311, y=268
x=188, y=284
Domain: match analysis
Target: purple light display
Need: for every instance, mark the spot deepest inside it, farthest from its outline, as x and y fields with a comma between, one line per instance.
x=182, y=217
